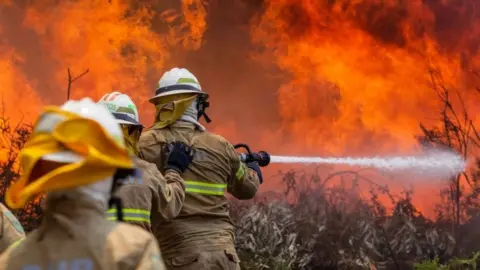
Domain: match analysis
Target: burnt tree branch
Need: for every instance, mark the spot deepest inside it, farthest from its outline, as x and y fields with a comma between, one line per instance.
x=71, y=80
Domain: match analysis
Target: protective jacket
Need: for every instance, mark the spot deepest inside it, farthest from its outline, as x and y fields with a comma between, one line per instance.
x=204, y=223
x=151, y=198
x=12, y=230
x=75, y=234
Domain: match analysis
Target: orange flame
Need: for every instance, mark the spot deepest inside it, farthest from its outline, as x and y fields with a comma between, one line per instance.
x=350, y=77
x=18, y=99
x=360, y=70
x=114, y=40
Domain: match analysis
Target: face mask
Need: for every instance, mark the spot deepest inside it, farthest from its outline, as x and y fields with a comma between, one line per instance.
x=170, y=108
x=60, y=131
x=131, y=135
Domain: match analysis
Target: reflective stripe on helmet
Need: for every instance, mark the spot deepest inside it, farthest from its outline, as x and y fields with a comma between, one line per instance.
x=130, y=214
x=169, y=88
x=205, y=188
x=121, y=116
x=187, y=80
x=122, y=109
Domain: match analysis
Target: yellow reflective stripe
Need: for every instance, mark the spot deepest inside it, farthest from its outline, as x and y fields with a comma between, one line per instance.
x=205, y=188
x=203, y=184
x=14, y=244
x=130, y=214
x=203, y=191
x=130, y=210
x=241, y=171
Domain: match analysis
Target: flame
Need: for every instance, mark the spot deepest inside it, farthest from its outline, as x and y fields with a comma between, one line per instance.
x=359, y=70
x=120, y=43
x=349, y=77
x=114, y=40
x=18, y=99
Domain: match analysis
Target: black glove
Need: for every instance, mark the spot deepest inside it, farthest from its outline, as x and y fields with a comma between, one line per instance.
x=254, y=166
x=180, y=157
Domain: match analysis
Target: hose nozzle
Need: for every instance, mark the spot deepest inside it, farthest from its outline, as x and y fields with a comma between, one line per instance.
x=262, y=157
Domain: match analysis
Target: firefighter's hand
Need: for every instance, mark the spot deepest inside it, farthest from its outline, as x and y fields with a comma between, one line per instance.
x=254, y=166
x=180, y=157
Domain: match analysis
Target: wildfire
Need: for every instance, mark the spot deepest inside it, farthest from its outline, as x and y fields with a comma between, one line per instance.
x=18, y=99
x=114, y=40
x=350, y=77
x=360, y=70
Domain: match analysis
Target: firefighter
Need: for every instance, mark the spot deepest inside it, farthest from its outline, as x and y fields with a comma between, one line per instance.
x=154, y=197
x=202, y=235
x=76, y=154
x=12, y=230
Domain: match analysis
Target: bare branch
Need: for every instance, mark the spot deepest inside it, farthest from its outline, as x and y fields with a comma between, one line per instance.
x=72, y=80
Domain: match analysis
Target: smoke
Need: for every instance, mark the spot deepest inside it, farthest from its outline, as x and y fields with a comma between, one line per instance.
x=440, y=164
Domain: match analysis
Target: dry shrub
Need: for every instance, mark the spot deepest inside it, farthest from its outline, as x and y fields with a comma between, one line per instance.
x=333, y=227
x=12, y=140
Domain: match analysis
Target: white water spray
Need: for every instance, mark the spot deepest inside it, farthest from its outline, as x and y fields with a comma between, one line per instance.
x=432, y=163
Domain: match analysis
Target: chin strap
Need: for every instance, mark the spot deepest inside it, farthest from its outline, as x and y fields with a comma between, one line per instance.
x=202, y=105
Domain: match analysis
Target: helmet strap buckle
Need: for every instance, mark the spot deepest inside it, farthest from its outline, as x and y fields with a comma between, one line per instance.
x=202, y=105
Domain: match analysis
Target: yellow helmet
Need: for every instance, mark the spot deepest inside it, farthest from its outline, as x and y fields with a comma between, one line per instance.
x=75, y=145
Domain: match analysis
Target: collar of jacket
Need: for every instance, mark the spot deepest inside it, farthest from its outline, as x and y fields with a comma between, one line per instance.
x=72, y=205
x=188, y=118
x=70, y=213
x=183, y=125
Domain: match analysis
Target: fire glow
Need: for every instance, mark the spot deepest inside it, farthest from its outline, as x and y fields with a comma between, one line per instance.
x=338, y=78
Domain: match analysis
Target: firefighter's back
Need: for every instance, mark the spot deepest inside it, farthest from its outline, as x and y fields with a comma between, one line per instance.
x=204, y=223
x=88, y=243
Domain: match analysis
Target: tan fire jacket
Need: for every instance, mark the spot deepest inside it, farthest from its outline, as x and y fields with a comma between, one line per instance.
x=75, y=234
x=204, y=222
x=12, y=230
x=150, y=198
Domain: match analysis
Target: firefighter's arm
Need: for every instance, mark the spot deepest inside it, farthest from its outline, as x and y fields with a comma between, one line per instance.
x=151, y=257
x=168, y=192
x=11, y=229
x=150, y=148
x=243, y=182
x=136, y=204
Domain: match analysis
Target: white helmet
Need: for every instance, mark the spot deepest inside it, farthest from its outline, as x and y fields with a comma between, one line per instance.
x=178, y=81
x=122, y=108
x=88, y=109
